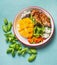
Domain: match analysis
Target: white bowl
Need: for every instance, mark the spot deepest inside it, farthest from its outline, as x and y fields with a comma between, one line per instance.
x=25, y=41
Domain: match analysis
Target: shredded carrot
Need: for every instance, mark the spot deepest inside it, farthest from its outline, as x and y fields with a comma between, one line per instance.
x=36, y=40
x=30, y=40
x=39, y=39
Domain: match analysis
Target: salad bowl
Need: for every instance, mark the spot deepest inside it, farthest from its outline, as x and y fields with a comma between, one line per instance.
x=23, y=39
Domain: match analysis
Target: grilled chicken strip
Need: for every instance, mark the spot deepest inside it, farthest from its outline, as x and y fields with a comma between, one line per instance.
x=40, y=17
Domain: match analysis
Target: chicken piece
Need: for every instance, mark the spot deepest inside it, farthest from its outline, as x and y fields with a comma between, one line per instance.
x=45, y=20
x=35, y=11
x=40, y=17
x=36, y=17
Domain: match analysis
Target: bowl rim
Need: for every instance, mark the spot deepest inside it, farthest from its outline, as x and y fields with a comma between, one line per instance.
x=32, y=45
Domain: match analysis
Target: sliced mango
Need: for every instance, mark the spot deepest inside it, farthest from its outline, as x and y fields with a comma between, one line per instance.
x=26, y=27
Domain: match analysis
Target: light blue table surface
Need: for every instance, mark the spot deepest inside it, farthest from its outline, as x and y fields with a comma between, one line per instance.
x=46, y=55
